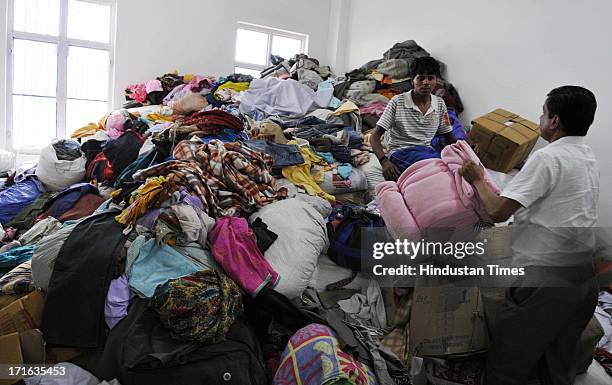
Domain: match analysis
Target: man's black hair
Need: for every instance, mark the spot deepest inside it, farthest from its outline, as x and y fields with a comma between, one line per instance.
x=575, y=106
x=425, y=66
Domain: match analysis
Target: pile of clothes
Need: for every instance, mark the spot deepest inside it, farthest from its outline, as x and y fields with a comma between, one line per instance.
x=199, y=233
x=184, y=236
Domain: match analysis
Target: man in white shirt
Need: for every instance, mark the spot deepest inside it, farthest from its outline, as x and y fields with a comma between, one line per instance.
x=411, y=120
x=554, y=202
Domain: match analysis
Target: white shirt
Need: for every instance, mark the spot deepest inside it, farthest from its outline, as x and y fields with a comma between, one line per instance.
x=558, y=188
x=407, y=126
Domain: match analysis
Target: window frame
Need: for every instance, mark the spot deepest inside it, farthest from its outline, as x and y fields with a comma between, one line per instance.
x=270, y=32
x=62, y=43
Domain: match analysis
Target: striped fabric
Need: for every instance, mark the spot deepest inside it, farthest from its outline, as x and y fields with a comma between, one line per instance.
x=18, y=280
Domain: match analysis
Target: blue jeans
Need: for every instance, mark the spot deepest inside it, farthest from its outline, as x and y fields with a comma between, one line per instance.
x=283, y=155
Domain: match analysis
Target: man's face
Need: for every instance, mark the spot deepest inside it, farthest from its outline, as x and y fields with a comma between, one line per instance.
x=547, y=125
x=424, y=84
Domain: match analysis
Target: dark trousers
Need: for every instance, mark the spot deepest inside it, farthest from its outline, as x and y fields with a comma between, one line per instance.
x=539, y=325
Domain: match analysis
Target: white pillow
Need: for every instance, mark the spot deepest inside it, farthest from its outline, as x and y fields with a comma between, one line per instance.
x=302, y=237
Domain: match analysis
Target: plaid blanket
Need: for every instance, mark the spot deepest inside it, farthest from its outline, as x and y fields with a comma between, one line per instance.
x=227, y=177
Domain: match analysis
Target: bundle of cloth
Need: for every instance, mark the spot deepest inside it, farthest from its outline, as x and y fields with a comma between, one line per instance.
x=432, y=194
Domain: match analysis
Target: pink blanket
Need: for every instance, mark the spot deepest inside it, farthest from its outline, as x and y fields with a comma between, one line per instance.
x=432, y=194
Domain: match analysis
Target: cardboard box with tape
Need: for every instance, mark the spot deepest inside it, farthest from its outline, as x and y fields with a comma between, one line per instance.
x=504, y=139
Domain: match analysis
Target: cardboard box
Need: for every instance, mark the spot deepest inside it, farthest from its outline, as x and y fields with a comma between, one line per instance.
x=21, y=348
x=447, y=320
x=22, y=314
x=504, y=139
x=6, y=300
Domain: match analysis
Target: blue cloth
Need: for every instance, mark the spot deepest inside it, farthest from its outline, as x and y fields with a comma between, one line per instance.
x=283, y=155
x=145, y=160
x=355, y=139
x=405, y=157
x=14, y=257
x=329, y=158
x=458, y=132
x=155, y=265
x=67, y=198
x=227, y=135
x=345, y=170
x=17, y=197
x=341, y=153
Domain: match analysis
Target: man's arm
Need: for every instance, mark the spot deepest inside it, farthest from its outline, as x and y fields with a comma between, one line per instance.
x=376, y=143
x=498, y=208
x=390, y=171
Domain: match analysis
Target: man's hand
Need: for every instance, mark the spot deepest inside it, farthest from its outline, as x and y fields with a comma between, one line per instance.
x=474, y=145
x=472, y=172
x=390, y=170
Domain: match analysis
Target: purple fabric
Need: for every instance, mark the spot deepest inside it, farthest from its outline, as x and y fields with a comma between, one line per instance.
x=234, y=246
x=186, y=197
x=117, y=301
x=149, y=218
x=458, y=132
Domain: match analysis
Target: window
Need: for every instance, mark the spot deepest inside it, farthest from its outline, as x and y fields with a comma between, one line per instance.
x=59, y=68
x=255, y=44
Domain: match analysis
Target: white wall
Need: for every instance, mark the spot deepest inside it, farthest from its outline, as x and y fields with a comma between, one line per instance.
x=503, y=54
x=199, y=36
x=3, y=41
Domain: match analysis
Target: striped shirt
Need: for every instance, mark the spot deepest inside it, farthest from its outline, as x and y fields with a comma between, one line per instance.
x=407, y=126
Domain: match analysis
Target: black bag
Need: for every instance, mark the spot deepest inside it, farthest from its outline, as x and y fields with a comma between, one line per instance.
x=345, y=236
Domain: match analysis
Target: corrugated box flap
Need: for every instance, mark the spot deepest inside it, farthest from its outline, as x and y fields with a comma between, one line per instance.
x=505, y=113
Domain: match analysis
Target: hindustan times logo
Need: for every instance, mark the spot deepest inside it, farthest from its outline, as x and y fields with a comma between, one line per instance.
x=412, y=249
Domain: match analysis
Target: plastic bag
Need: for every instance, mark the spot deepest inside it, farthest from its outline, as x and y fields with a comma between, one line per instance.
x=7, y=161
x=58, y=174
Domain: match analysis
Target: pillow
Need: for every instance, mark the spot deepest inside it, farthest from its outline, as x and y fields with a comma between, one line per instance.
x=302, y=237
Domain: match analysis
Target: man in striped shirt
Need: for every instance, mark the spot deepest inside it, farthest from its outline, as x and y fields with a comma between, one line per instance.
x=411, y=120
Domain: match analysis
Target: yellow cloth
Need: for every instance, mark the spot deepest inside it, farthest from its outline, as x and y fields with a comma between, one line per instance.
x=139, y=203
x=187, y=78
x=300, y=174
x=240, y=86
x=345, y=108
x=88, y=130
x=155, y=117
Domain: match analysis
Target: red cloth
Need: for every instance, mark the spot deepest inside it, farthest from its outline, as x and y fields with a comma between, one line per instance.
x=213, y=121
